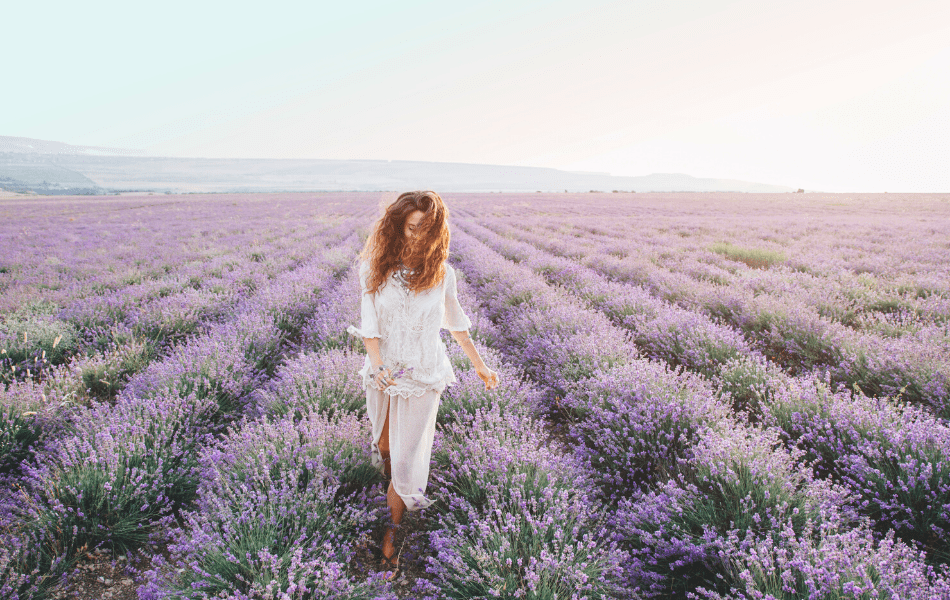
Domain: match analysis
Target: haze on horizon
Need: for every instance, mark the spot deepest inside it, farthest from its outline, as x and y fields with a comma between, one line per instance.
x=838, y=95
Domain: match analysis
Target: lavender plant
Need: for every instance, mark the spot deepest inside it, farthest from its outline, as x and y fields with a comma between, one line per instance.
x=737, y=480
x=31, y=343
x=514, y=519
x=325, y=382
x=631, y=425
x=124, y=471
x=825, y=562
x=33, y=560
x=31, y=415
x=225, y=366
x=895, y=457
x=749, y=384
x=279, y=506
x=468, y=395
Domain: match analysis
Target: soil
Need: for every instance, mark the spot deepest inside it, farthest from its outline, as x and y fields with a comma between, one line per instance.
x=99, y=576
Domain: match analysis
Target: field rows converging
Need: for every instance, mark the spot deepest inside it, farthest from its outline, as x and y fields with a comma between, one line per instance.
x=762, y=393
x=117, y=473
x=789, y=331
x=120, y=469
x=876, y=303
x=634, y=443
x=702, y=396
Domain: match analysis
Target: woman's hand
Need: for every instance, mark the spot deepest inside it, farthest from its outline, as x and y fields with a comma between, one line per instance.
x=488, y=376
x=383, y=379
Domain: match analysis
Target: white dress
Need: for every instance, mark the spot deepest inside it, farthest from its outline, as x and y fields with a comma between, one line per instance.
x=407, y=325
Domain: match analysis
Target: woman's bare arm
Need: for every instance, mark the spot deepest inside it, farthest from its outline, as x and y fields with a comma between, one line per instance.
x=372, y=348
x=465, y=341
x=487, y=375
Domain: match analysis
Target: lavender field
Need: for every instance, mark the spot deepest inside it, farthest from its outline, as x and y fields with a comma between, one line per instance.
x=702, y=396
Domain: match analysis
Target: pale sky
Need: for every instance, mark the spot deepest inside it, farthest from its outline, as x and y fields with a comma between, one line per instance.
x=840, y=96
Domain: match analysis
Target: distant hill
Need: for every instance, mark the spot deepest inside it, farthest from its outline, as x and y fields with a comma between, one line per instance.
x=55, y=167
x=23, y=145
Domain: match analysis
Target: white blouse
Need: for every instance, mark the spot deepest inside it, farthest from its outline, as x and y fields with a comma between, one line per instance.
x=407, y=325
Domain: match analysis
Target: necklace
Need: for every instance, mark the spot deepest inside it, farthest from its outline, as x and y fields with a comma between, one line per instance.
x=401, y=275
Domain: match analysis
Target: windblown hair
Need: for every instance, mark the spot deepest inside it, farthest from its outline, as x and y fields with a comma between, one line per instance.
x=425, y=253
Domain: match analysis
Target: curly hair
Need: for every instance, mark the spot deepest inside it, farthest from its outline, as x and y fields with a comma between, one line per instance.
x=425, y=253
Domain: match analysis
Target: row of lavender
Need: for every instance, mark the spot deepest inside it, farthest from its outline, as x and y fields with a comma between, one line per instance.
x=139, y=328
x=517, y=516
x=99, y=375
x=906, y=293
x=897, y=279
x=700, y=501
x=787, y=329
x=281, y=496
x=287, y=491
x=58, y=251
x=106, y=335
x=884, y=272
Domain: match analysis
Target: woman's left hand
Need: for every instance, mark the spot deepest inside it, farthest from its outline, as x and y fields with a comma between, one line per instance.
x=488, y=376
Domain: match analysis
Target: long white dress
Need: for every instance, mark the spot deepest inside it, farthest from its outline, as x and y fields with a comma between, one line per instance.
x=407, y=325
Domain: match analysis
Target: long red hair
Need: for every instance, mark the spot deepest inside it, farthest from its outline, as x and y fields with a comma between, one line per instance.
x=425, y=253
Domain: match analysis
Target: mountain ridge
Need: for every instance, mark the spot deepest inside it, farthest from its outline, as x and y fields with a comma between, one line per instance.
x=28, y=164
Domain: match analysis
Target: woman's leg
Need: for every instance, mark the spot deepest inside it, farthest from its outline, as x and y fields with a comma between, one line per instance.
x=377, y=409
x=384, y=445
x=396, y=509
x=396, y=505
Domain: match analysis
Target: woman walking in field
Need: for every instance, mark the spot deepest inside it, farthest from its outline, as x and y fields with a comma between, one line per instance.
x=408, y=294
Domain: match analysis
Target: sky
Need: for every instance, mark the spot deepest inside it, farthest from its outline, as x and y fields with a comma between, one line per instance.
x=831, y=95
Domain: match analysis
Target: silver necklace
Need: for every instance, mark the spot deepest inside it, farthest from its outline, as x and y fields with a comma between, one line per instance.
x=401, y=275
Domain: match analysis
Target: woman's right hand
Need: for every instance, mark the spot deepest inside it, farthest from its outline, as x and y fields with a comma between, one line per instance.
x=383, y=379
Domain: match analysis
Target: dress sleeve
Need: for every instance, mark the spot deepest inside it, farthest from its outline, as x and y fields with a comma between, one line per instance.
x=369, y=321
x=455, y=318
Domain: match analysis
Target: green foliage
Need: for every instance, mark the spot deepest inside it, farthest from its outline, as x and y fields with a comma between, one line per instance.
x=750, y=384
x=19, y=433
x=744, y=480
x=756, y=258
x=30, y=336
x=103, y=375
x=461, y=398
x=328, y=394
x=117, y=486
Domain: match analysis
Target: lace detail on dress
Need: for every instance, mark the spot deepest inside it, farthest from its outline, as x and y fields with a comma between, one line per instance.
x=402, y=317
x=395, y=390
x=407, y=387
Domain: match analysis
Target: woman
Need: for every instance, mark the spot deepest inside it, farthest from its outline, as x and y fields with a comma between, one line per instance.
x=408, y=295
